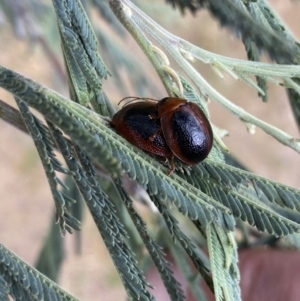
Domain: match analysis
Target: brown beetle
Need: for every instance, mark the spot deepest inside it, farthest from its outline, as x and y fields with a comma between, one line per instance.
x=186, y=129
x=134, y=122
x=171, y=126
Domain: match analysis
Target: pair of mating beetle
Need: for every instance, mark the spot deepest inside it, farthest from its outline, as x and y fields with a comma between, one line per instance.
x=166, y=128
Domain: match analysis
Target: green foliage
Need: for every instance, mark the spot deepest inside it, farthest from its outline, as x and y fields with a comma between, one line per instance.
x=23, y=282
x=211, y=195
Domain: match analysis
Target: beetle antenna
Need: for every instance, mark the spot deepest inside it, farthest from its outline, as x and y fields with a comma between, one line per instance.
x=135, y=98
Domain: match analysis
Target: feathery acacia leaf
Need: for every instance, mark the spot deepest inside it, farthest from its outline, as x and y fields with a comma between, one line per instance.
x=140, y=24
x=53, y=244
x=163, y=266
x=280, y=194
x=186, y=243
x=245, y=194
x=195, y=203
x=277, y=26
x=159, y=185
x=44, y=145
x=263, y=15
x=233, y=15
x=63, y=119
x=223, y=258
x=209, y=194
x=25, y=283
x=183, y=265
x=104, y=215
x=79, y=44
x=252, y=53
x=294, y=99
x=4, y=289
x=273, y=22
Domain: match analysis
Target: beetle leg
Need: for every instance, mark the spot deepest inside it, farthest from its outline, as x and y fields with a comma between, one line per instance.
x=158, y=132
x=172, y=166
x=165, y=160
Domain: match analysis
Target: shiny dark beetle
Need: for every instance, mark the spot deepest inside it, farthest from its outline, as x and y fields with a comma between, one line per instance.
x=134, y=122
x=171, y=126
x=186, y=129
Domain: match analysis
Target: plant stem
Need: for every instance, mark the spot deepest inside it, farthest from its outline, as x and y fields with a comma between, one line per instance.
x=137, y=21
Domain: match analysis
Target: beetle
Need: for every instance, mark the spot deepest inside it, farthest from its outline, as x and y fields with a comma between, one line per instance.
x=166, y=128
x=136, y=124
x=186, y=129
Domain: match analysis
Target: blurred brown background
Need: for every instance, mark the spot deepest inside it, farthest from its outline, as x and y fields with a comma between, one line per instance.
x=25, y=199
